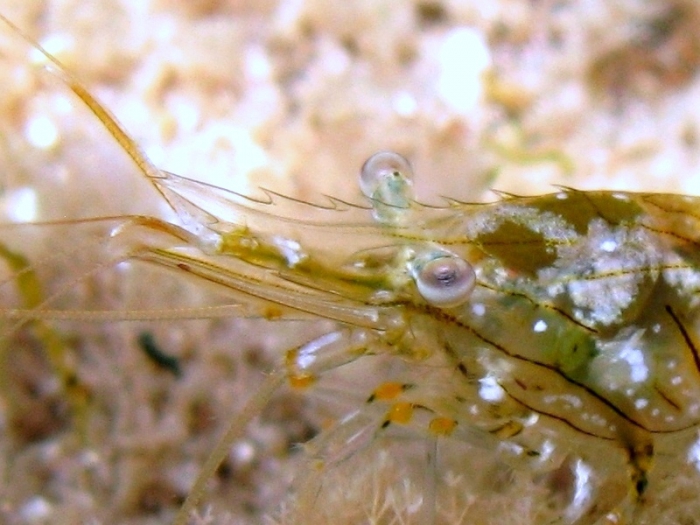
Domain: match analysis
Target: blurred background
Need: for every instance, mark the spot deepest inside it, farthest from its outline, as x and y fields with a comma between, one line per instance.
x=294, y=95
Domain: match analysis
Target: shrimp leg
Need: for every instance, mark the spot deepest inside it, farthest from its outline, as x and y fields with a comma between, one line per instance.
x=302, y=366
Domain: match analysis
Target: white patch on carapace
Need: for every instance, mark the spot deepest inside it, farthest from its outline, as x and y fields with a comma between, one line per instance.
x=562, y=195
x=539, y=326
x=583, y=493
x=490, y=390
x=608, y=246
x=634, y=357
x=621, y=364
x=531, y=420
x=603, y=272
x=571, y=400
x=694, y=454
x=478, y=309
x=677, y=380
x=641, y=403
x=682, y=278
x=598, y=420
x=547, y=450
x=511, y=448
x=551, y=226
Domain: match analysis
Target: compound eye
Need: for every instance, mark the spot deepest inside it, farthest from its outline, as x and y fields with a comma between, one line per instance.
x=387, y=179
x=387, y=176
x=445, y=281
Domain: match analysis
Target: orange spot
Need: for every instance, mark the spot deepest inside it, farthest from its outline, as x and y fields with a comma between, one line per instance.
x=290, y=360
x=387, y=391
x=302, y=381
x=400, y=413
x=272, y=313
x=442, y=426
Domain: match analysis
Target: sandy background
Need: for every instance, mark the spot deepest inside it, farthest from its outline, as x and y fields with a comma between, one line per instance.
x=294, y=95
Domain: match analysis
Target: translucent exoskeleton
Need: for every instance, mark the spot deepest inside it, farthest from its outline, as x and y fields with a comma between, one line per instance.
x=545, y=342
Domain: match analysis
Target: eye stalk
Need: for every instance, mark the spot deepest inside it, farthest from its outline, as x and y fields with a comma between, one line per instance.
x=443, y=279
x=387, y=178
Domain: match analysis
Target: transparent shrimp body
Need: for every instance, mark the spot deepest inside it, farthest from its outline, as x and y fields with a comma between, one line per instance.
x=562, y=329
x=551, y=337
x=557, y=332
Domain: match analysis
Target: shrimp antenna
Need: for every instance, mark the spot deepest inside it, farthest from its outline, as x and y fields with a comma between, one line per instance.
x=108, y=120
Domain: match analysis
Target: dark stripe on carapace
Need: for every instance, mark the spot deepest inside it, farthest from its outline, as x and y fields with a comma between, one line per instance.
x=441, y=314
x=686, y=337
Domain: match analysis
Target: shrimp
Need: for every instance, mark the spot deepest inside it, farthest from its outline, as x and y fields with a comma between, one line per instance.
x=548, y=342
